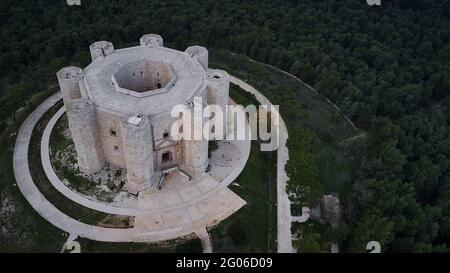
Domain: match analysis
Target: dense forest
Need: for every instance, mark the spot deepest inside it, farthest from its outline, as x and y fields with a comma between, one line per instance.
x=387, y=67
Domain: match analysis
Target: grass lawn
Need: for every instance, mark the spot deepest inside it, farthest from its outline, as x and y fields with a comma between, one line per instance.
x=59, y=142
x=312, y=236
x=333, y=157
x=24, y=230
x=90, y=216
x=187, y=244
x=64, y=204
x=301, y=108
x=253, y=227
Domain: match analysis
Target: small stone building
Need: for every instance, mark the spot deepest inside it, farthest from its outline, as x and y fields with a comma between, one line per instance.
x=119, y=108
x=331, y=210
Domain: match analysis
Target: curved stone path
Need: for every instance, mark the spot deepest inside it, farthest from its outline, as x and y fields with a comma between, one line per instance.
x=284, y=217
x=37, y=199
x=141, y=208
x=151, y=226
x=60, y=186
x=144, y=229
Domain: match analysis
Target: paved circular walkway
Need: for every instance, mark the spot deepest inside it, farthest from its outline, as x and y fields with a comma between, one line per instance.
x=35, y=197
x=284, y=217
x=193, y=218
x=189, y=194
x=151, y=225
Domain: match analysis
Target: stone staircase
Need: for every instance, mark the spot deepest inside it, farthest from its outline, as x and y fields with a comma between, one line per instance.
x=205, y=240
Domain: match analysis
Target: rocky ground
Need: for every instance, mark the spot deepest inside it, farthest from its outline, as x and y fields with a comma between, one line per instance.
x=107, y=186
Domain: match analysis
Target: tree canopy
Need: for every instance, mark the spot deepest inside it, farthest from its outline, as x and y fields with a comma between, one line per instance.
x=386, y=66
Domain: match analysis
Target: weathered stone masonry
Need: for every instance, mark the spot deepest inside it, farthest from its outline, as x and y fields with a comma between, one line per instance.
x=119, y=106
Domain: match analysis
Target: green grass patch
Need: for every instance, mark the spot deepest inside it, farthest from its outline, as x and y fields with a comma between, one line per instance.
x=27, y=231
x=305, y=110
x=72, y=209
x=187, y=244
x=254, y=227
x=60, y=143
x=315, y=237
x=24, y=229
x=325, y=152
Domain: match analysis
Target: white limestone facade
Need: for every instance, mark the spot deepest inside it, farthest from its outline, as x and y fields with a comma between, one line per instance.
x=119, y=108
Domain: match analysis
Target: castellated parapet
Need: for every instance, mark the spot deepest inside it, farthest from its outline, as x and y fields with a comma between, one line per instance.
x=119, y=108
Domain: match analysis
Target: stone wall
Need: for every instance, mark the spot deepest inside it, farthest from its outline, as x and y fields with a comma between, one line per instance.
x=200, y=54
x=68, y=79
x=195, y=151
x=138, y=152
x=176, y=156
x=85, y=134
x=196, y=156
x=218, y=89
x=151, y=40
x=161, y=126
x=101, y=49
x=146, y=146
x=143, y=76
x=110, y=132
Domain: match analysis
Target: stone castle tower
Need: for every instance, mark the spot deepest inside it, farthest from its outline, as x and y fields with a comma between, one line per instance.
x=119, y=108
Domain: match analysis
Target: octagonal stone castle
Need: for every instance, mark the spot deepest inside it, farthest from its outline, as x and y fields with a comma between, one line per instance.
x=119, y=108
